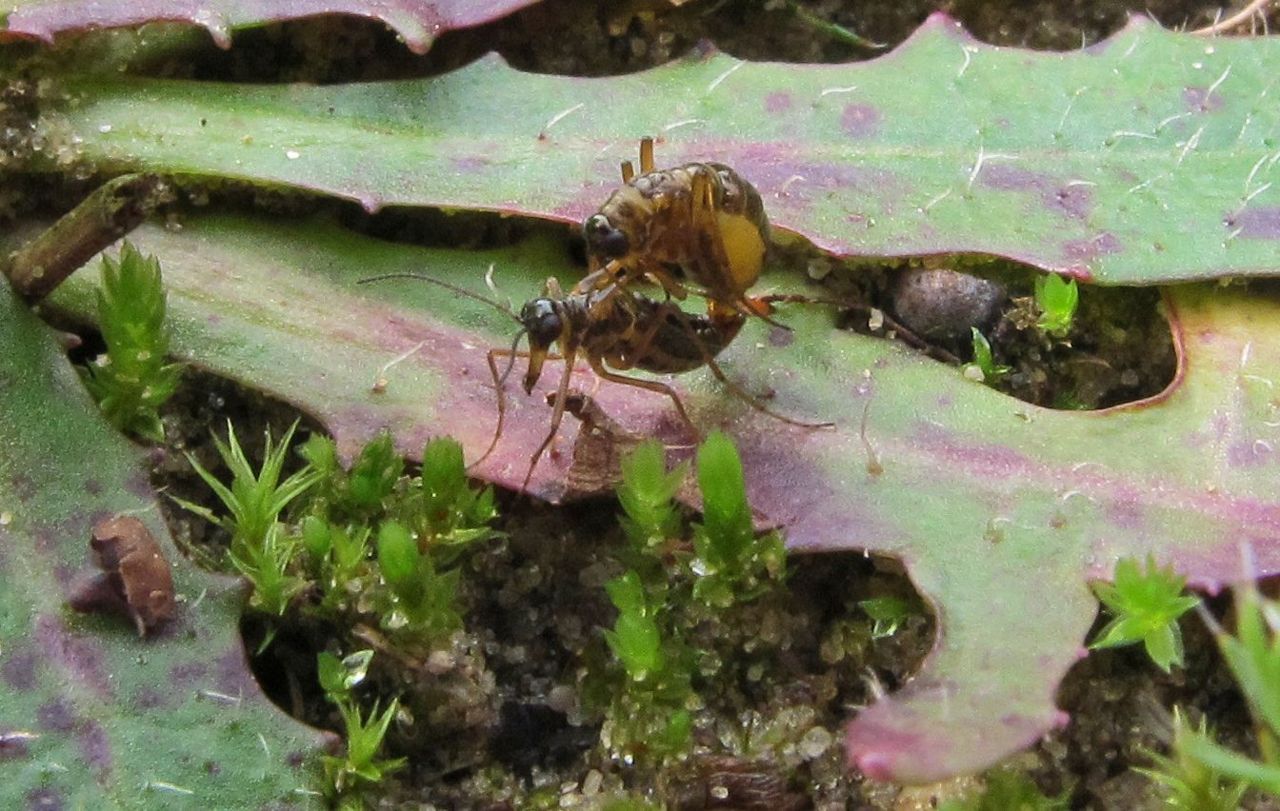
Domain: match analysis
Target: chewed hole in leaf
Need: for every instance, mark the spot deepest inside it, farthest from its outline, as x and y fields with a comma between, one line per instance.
x=1114, y=347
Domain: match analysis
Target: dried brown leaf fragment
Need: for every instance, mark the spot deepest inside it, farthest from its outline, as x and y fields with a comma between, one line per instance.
x=136, y=580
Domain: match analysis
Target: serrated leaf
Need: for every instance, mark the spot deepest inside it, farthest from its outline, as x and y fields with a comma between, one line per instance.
x=417, y=22
x=992, y=503
x=107, y=719
x=1149, y=157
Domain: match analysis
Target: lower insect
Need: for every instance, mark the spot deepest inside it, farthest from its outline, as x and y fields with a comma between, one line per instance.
x=614, y=331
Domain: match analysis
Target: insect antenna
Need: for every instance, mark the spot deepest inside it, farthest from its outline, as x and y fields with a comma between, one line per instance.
x=462, y=291
x=499, y=380
x=500, y=385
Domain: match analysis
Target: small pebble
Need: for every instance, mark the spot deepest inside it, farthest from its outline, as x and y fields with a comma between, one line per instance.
x=562, y=698
x=815, y=742
x=944, y=305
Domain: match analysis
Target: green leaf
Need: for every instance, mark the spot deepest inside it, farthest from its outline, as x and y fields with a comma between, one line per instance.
x=727, y=529
x=1141, y=159
x=417, y=26
x=400, y=559
x=317, y=537
x=444, y=482
x=375, y=472
x=1147, y=606
x=339, y=676
x=888, y=613
x=993, y=504
x=1254, y=657
x=635, y=638
x=1057, y=299
x=1234, y=765
x=174, y=720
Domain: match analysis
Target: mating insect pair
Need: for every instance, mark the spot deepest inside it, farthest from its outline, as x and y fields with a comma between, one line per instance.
x=614, y=331
x=700, y=228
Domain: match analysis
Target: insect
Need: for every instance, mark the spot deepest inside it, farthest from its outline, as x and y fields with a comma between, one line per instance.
x=700, y=225
x=614, y=331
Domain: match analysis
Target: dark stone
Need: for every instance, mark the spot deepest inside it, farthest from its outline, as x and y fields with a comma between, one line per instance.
x=944, y=305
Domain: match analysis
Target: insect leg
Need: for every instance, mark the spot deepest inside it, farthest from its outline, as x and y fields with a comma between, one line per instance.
x=557, y=414
x=651, y=385
x=656, y=273
x=734, y=388
x=755, y=402
x=499, y=385
x=646, y=155
x=628, y=171
x=905, y=335
x=611, y=272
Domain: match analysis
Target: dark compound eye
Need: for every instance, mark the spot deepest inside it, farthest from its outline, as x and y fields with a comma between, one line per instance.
x=603, y=238
x=541, y=318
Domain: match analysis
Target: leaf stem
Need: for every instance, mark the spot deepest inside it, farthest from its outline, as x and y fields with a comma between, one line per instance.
x=112, y=210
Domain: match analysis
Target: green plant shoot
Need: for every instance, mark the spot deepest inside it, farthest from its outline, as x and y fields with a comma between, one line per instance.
x=888, y=614
x=1192, y=784
x=131, y=381
x=448, y=514
x=360, y=493
x=650, y=516
x=648, y=716
x=1008, y=790
x=425, y=597
x=1146, y=607
x=266, y=566
x=635, y=638
x=338, y=554
x=985, y=360
x=1253, y=655
x=1057, y=299
x=361, y=765
x=376, y=470
x=338, y=677
x=254, y=500
x=731, y=562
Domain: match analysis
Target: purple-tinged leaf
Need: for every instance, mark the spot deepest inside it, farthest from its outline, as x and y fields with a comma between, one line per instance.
x=1001, y=511
x=105, y=718
x=1149, y=157
x=418, y=22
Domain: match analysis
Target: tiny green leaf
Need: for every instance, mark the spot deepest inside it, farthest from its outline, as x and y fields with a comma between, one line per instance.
x=726, y=516
x=375, y=472
x=887, y=612
x=316, y=537
x=444, y=480
x=1146, y=606
x=635, y=638
x=646, y=494
x=984, y=359
x=399, y=558
x=1057, y=299
x=330, y=673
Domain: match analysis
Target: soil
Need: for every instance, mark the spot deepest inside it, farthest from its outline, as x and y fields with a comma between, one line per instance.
x=504, y=725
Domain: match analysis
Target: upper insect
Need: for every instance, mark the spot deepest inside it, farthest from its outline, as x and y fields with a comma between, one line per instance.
x=698, y=226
